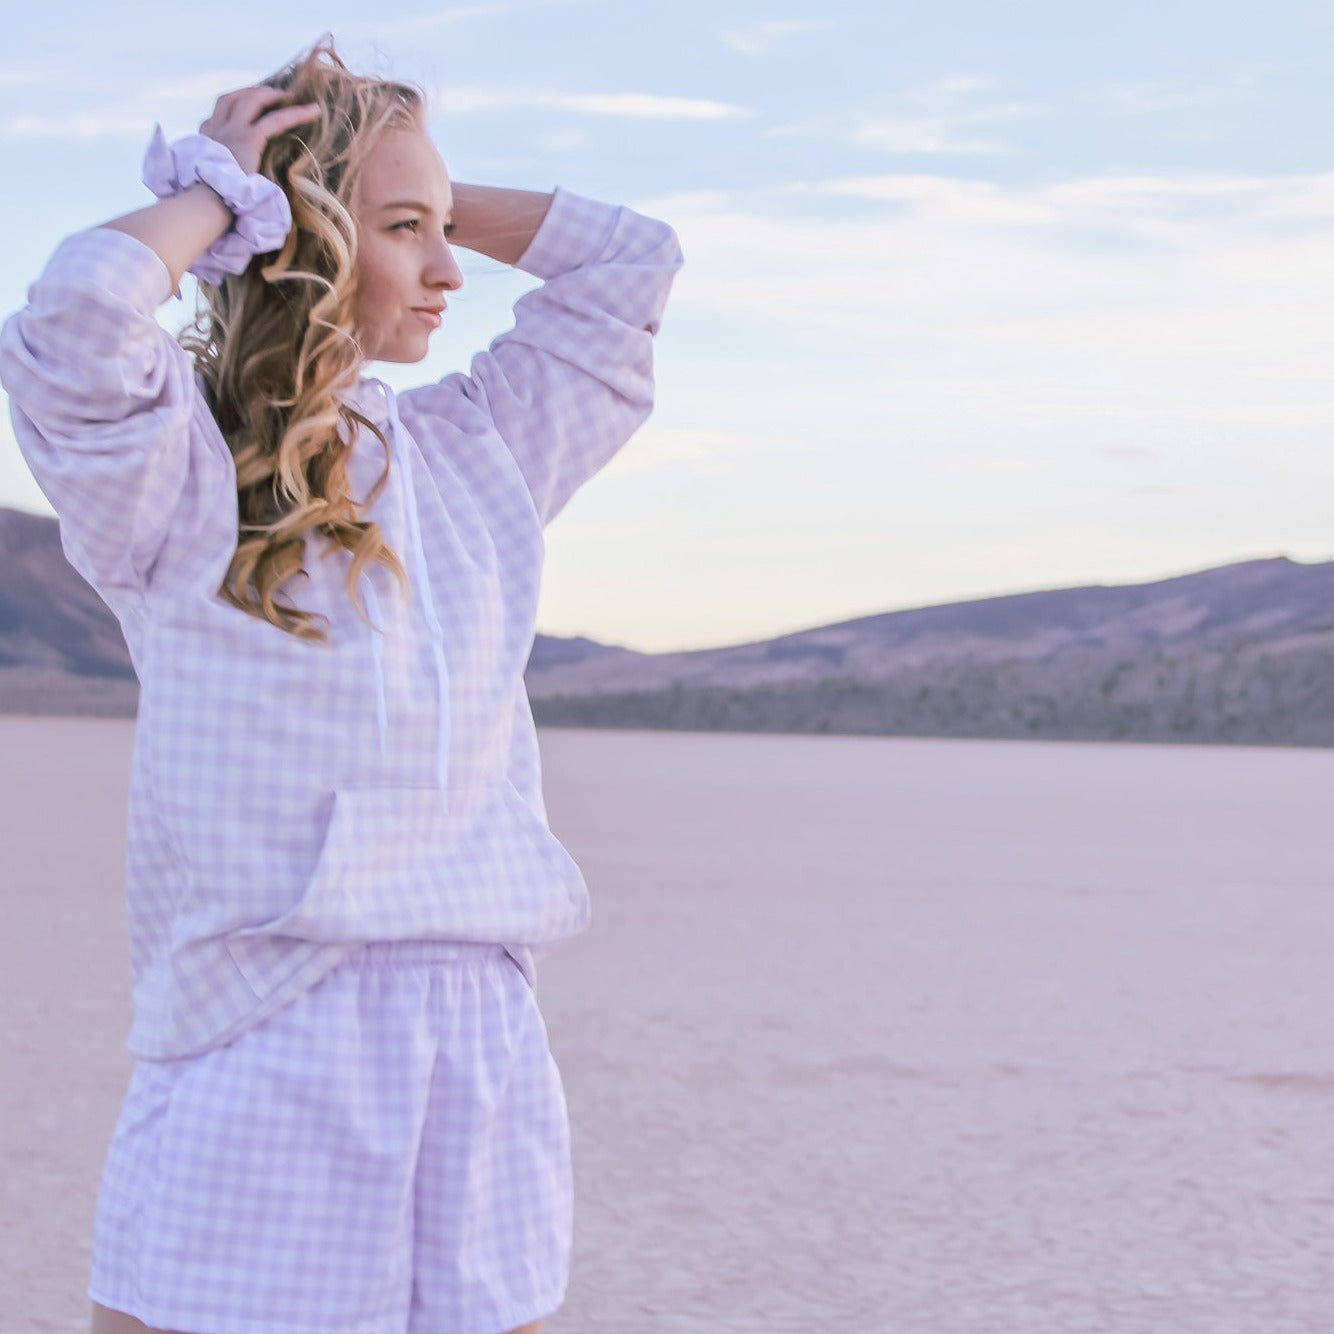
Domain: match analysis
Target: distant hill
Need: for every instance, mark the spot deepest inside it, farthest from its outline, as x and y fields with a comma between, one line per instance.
x=61, y=651
x=1243, y=653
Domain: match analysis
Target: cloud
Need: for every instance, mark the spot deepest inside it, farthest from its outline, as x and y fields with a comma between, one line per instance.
x=562, y=140
x=175, y=101
x=104, y=123
x=1186, y=208
x=467, y=99
x=1149, y=97
x=1121, y=452
x=942, y=128
x=203, y=88
x=941, y=135
x=1100, y=307
x=962, y=115
x=645, y=106
x=703, y=449
x=1183, y=216
x=415, y=25
x=954, y=116
x=26, y=76
x=760, y=39
x=131, y=116
x=941, y=196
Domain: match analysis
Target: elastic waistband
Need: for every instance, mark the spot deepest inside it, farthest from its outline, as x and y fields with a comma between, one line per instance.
x=429, y=951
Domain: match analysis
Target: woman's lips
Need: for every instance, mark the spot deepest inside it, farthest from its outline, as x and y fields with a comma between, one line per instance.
x=430, y=314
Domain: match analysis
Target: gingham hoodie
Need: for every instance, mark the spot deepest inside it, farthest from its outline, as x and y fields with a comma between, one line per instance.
x=290, y=800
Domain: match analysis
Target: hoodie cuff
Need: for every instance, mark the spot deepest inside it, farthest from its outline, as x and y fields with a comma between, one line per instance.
x=574, y=232
x=113, y=261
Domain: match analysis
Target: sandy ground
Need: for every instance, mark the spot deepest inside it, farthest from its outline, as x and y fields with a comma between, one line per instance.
x=869, y=1034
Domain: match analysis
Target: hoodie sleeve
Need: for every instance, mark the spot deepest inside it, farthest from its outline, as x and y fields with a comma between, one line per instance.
x=101, y=399
x=572, y=381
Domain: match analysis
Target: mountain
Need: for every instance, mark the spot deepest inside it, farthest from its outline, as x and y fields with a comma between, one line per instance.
x=1243, y=653
x=1256, y=600
x=61, y=651
x=49, y=617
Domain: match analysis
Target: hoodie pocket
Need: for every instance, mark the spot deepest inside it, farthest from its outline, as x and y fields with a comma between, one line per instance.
x=397, y=864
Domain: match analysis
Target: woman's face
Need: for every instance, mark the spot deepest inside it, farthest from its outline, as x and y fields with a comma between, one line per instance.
x=403, y=209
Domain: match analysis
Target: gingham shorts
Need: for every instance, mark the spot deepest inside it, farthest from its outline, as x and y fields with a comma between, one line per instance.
x=388, y=1153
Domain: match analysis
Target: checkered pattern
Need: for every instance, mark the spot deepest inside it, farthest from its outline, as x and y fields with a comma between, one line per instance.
x=389, y=1153
x=290, y=800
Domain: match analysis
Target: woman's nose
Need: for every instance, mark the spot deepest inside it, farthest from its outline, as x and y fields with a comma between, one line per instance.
x=443, y=270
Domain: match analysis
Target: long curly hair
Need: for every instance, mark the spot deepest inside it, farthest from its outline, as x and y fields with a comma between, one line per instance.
x=276, y=345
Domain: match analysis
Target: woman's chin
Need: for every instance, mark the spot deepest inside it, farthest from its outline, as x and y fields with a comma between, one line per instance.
x=401, y=356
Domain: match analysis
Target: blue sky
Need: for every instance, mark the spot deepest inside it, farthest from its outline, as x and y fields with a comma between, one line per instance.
x=978, y=298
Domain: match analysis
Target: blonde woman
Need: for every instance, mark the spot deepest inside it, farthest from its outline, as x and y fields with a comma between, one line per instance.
x=343, y=1115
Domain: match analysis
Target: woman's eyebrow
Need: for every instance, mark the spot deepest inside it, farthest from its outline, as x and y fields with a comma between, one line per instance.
x=409, y=203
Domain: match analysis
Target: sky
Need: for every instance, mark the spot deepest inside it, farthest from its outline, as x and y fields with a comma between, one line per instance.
x=977, y=298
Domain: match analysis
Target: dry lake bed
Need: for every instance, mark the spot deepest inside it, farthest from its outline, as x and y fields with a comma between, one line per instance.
x=868, y=1034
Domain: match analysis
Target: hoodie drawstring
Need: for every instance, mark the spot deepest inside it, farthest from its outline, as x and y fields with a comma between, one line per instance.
x=377, y=656
x=421, y=582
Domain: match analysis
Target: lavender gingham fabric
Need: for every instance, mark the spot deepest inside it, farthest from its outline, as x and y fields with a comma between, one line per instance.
x=389, y=1153
x=291, y=800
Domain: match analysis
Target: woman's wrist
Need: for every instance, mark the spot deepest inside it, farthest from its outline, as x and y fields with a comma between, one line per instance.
x=497, y=222
x=179, y=229
x=261, y=214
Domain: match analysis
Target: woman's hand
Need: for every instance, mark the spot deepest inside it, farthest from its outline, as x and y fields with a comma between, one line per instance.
x=182, y=227
x=244, y=121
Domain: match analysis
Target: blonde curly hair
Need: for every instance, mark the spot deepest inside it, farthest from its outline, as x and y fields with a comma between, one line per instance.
x=276, y=345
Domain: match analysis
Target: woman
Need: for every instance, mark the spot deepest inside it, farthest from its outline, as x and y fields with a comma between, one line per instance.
x=343, y=1115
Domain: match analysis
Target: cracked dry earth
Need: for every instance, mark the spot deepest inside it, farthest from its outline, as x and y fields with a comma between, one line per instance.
x=868, y=1034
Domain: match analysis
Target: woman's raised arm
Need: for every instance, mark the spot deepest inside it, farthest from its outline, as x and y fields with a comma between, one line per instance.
x=568, y=385
x=185, y=226
x=496, y=222
x=102, y=396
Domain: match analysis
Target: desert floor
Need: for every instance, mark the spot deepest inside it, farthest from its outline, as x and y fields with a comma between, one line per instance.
x=868, y=1034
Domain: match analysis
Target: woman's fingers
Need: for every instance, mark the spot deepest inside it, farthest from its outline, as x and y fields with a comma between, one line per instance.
x=251, y=99
x=245, y=106
x=277, y=122
x=245, y=120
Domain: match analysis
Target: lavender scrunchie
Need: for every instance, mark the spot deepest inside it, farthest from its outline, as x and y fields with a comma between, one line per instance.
x=263, y=215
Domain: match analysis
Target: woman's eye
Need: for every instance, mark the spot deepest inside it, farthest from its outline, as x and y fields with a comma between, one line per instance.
x=408, y=224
